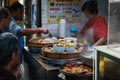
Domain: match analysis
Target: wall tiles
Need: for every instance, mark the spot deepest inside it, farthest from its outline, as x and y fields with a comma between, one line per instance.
x=43, y=1
x=44, y=25
x=103, y=8
x=44, y=14
x=44, y=20
x=44, y=9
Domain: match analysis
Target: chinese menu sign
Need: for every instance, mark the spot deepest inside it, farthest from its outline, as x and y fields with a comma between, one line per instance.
x=64, y=9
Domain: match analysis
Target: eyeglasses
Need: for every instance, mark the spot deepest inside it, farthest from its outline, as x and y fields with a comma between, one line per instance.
x=2, y=17
x=9, y=17
x=6, y=17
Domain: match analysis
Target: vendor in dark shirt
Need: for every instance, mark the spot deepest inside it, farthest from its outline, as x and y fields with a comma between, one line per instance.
x=9, y=60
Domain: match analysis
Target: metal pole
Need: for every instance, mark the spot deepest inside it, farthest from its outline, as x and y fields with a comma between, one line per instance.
x=28, y=17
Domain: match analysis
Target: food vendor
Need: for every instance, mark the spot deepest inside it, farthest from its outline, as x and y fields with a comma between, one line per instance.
x=95, y=29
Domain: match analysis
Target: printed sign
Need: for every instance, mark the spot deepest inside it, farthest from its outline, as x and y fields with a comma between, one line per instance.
x=64, y=9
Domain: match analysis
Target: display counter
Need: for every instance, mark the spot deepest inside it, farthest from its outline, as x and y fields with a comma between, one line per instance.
x=41, y=71
x=100, y=52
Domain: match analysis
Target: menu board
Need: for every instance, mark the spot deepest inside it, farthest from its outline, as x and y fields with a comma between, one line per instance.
x=64, y=9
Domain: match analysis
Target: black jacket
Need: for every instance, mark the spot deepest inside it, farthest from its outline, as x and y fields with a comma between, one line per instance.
x=6, y=75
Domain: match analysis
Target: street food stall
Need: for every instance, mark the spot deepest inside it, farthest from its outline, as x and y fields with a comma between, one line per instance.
x=60, y=56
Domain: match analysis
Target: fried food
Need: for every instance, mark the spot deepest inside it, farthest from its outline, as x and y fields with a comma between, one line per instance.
x=75, y=68
x=69, y=44
x=62, y=41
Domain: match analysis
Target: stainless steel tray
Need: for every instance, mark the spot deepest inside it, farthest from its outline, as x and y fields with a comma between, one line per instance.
x=58, y=62
x=87, y=57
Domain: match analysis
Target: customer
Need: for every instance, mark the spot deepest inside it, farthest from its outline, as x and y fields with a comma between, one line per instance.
x=9, y=60
x=4, y=18
x=17, y=11
x=95, y=30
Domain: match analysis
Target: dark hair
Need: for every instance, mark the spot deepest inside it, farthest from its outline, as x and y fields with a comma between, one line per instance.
x=8, y=45
x=15, y=6
x=90, y=6
x=4, y=13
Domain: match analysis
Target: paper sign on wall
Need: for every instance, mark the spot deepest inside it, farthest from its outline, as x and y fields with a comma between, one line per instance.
x=64, y=9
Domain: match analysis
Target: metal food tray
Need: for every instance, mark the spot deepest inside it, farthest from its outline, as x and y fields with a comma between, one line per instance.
x=87, y=57
x=58, y=62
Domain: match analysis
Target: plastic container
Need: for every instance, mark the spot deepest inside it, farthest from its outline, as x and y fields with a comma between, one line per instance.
x=72, y=39
x=73, y=31
x=59, y=49
x=70, y=48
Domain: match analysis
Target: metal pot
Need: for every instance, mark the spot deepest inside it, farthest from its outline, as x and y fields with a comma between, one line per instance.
x=87, y=57
x=80, y=76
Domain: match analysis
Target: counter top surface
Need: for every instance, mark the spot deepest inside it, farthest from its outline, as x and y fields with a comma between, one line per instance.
x=108, y=51
x=38, y=59
x=48, y=67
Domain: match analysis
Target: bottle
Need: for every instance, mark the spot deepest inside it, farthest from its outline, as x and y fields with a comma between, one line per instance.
x=62, y=28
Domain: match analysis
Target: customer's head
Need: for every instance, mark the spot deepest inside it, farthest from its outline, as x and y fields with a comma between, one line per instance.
x=90, y=9
x=9, y=51
x=4, y=18
x=17, y=10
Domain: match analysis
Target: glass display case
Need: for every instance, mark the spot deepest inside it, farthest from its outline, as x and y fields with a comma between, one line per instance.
x=114, y=25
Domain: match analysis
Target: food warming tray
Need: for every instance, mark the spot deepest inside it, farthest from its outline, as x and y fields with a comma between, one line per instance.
x=55, y=55
x=34, y=42
x=58, y=62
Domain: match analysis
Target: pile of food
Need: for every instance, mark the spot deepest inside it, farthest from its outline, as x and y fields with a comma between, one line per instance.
x=76, y=68
x=63, y=49
x=44, y=40
x=41, y=42
x=66, y=45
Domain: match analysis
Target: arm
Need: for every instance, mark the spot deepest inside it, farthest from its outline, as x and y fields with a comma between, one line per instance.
x=101, y=41
x=30, y=31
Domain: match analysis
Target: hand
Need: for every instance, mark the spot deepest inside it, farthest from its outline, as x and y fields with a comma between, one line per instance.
x=43, y=30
